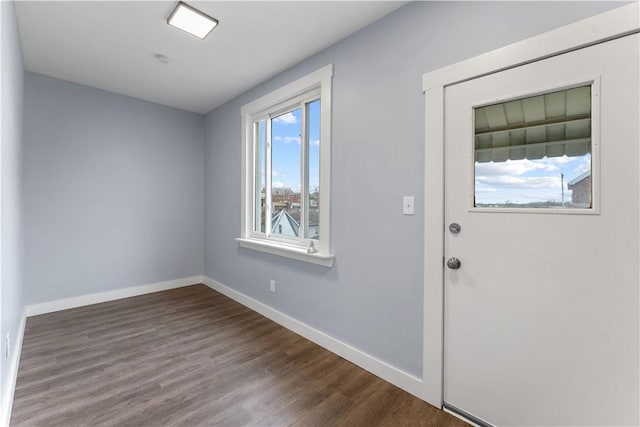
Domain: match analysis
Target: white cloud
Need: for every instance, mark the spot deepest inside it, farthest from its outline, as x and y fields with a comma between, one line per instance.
x=279, y=174
x=287, y=119
x=485, y=190
x=314, y=142
x=510, y=167
x=287, y=139
x=560, y=160
x=524, y=166
x=527, y=182
x=279, y=184
x=585, y=165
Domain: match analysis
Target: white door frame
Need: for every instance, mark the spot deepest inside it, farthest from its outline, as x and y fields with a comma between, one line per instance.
x=606, y=26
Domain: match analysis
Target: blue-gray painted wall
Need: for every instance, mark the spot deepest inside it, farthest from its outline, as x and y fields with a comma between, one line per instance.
x=372, y=297
x=114, y=191
x=117, y=191
x=11, y=121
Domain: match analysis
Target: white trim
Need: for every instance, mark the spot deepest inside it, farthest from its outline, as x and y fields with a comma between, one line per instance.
x=12, y=376
x=433, y=326
x=606, y=26
x=395, y=376
x=5, y=401
x=324, y=245
x=319, y=80
x=290, y=90
x=67, y=303
x=287, y=251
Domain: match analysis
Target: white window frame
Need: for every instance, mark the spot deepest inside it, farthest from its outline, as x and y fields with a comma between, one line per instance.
x=594, y=84
x=316, y=85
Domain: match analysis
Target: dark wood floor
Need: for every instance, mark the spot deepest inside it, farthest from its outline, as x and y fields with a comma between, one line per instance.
x=192, y=356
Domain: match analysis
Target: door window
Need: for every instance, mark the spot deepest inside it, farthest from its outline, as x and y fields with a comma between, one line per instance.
x=535, y=152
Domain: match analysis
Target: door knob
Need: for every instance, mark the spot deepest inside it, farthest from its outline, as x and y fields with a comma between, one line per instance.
x=453, y=263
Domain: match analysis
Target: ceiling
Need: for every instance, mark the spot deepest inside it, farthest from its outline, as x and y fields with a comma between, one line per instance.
x=111, y=45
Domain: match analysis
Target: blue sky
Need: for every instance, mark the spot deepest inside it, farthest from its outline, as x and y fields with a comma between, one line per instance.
x=526, y=181
x=286, y=148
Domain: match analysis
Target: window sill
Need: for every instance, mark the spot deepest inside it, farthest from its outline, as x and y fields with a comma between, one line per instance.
x=286, y=251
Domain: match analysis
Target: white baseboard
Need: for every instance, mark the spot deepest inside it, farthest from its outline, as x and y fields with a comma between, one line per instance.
x=12, y=376
x=395, y=376
x=64, y=304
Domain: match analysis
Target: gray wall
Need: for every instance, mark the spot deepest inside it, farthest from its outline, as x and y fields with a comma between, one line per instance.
x=12, y=96
x=113, y=191
x=372, y=297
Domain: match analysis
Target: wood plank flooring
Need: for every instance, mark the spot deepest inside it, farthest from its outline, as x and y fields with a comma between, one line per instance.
x=193, y=357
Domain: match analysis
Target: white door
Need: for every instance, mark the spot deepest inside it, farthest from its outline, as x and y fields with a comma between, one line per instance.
x=541, y=174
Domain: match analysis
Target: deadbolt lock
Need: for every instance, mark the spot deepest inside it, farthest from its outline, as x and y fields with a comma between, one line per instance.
x=453, y=263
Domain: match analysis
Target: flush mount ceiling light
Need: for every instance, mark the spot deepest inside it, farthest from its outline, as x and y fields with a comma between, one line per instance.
x=191, y=20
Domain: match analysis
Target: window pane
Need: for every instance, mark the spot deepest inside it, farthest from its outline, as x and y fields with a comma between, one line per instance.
x=260, y=136
x=313, y=198
x=286, y=155
x=535, y=152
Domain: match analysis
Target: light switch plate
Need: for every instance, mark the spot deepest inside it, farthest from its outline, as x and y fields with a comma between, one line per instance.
x=408, y=205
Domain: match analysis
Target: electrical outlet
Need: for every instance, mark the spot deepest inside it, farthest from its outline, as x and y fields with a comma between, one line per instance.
x=7, y=345
x=272, y=285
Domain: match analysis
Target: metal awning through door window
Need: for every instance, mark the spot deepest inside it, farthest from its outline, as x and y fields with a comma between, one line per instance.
x=550, y=125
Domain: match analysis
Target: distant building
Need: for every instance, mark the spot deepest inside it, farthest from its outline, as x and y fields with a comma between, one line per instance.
x=287, y=223
x=284, y=197
x=580, y=188
x=313, y=199
x=285, y=218
x=284, y=224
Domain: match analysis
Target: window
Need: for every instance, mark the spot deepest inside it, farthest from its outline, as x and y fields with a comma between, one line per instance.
x=535, y=152
x=286, y=182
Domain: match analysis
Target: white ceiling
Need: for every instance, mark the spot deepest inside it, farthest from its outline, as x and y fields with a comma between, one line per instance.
x=111, y=45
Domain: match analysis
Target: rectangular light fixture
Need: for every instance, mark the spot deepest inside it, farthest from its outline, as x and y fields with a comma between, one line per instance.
x=191, y=20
